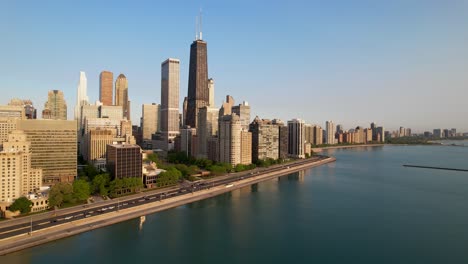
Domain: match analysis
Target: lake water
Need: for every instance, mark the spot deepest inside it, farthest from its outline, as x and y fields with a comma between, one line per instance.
x=364, y=208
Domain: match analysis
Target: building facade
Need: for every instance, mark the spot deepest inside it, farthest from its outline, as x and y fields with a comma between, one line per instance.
x=81, y=97
x=246, y=148
x=124, y=161
x=53, y=148
x=330, y=132
x=207, y=127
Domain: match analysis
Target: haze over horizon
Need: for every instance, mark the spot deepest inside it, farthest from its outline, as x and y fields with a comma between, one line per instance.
x=397, y=63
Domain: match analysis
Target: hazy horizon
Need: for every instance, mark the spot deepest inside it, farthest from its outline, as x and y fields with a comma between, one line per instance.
x=396, y=63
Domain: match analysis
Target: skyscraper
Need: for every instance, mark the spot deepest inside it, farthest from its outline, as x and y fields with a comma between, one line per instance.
x=230, y=139
x=330, y=127
x=207, y=128
x=211, y=101
x=243, y=111
x=265, y=139
x=150, y=120
x=170, y=78
x=296, y=138
x=121, y=95
x=198, y=90
x=106, y=79
x=124, y=161
x=81, y=97
x=55, y=107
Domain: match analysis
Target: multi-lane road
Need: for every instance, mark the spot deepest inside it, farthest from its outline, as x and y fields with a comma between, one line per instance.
x=46, y=221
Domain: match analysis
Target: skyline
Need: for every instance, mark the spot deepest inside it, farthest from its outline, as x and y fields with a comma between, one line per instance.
x=423, y=65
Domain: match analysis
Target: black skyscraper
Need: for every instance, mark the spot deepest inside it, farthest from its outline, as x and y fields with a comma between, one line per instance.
x=198, y=93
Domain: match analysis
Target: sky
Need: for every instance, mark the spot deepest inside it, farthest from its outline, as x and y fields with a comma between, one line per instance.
x=397, y=63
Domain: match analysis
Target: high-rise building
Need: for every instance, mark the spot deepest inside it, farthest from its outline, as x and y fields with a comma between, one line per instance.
x=53, y=148
x=211, y=100
x=243, y=111
x=186, y=140
x=380, y=133
x=30, y=180
x=81, y=98
x=12, y=112
x=150, y=120
x=121, y=95
x=246, y=148
x=265, y=139
x=402, y=132
x=55, y=108
x=330, y=133
x=198, y=90
x=296, y=138
x=212, y=149
x=184, y=111
x=226, y=107
x=446, y=133
x=437, y=133
x=29, y=110
x=318, y=135
x=230, y=139
x=453, y=132
x=309, y=133
x=339, y=129
x=283, y=135
x=124, y=161
x=106, y=80
x=170, y=78
x=207, y=128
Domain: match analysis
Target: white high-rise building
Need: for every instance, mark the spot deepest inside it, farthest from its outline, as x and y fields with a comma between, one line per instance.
x=211, y=102
x=330, y=132
x=170, y=88
x=81, y=97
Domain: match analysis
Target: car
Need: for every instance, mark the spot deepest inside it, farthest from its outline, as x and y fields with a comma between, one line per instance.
x=53, y=221
x=68, y=217
x=112, y=207
x=88, y=215
x=90, y=212
x=125, y=204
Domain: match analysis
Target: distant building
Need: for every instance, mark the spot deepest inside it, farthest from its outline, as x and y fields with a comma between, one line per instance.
x=437, y=133
x=265, y=139
x=243, y=111
x=296, y=138
x=95, y=146
x=207, y=128
x=427, y=134
x=453, y=132
x=330, y=133
x=380, y=134
x=246, y=148
x=212, y=148
x=29, y=110
x=198, y=89
x=170, y=71
x=53, y=148
x=124, y=161
x=446, y=133
x=81, y=98
x=150, y=120
x=121, y=95
x=230, y=139
x=186, y=137
x=283, y=140
x=318, y=135
x=55, y=108
x=106, y=80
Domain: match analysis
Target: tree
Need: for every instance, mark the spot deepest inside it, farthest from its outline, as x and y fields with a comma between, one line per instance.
x=21, y=204
x=100, y=183
x=81, y=190
x=60, y=193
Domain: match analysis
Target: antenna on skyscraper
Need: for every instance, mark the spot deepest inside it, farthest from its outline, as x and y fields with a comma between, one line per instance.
x=201, y=38
x=196, y=28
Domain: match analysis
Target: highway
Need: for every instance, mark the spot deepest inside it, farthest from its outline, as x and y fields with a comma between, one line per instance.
x=46, y=221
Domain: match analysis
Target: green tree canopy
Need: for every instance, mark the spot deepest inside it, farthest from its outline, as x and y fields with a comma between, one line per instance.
x=21, y=204
x=60, y=193
x=100, y=184
x=81, y=190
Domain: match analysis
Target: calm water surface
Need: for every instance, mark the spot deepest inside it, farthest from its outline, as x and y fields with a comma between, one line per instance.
x=365, y=208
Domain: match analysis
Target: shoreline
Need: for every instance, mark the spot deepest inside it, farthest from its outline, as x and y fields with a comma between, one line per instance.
x=20, y=242
x=320, y=149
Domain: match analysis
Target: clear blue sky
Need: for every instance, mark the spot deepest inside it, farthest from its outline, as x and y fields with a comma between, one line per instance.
x=398, y=63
